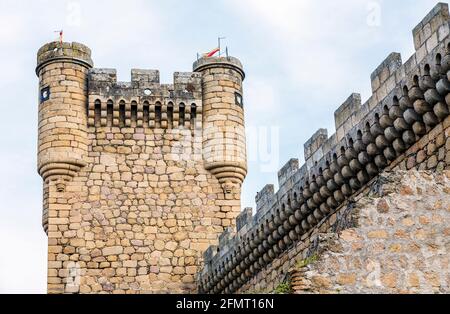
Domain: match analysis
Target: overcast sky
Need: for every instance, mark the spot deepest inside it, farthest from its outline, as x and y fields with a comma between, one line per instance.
x=302, y=60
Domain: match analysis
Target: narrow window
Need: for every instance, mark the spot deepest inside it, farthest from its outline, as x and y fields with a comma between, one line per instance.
x=122, y=113
x=97, y=112
x=158, y=114
x=133, y=113
x=182, y=109
x=146, y=113
x=170, y=115
x=193, y=114
x=45, y=94
x=238, y=99
x=109, y=113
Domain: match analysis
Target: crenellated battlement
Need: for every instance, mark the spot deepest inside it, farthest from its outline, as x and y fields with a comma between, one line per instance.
x=409, y=105
x=185, y=84
x=144, y=102
x=139, y=177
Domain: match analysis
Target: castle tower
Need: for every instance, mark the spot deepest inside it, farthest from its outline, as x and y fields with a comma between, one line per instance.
x=62, y=144
x=224, y=150
x=128, y=206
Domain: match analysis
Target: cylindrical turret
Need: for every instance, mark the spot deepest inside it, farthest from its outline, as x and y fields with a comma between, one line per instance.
x=224, y=150
x=62, y=69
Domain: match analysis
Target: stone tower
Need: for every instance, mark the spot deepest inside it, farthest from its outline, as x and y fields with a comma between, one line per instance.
x=139, y=177
x=224, y=150
x=63, y=143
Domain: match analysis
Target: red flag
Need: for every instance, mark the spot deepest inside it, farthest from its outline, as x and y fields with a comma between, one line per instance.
x=211, y=53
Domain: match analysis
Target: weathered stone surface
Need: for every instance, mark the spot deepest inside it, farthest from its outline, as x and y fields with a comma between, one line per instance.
x=367, y=261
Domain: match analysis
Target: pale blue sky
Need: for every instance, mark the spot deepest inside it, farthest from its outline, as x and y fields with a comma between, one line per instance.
x=302, y=60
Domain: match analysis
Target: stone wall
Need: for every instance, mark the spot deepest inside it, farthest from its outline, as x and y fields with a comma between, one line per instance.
x=403, y=125
x=136, y=218
x=131, y=200
x=398, y=241
x=395, y=230
x=431, y=152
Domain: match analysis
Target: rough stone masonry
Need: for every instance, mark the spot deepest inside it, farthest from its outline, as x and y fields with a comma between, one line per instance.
x=142, y=180
x=404, y=125
x=139, y=177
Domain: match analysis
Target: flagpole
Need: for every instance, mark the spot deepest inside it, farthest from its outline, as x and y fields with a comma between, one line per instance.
x=60, y=37
x=219, y=39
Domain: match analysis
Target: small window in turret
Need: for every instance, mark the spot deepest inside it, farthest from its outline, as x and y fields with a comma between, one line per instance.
x=238, y=99
x=45, y=94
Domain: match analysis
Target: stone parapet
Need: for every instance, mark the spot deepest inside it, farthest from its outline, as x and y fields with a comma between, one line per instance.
x=59, y=52
x=144, y=102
